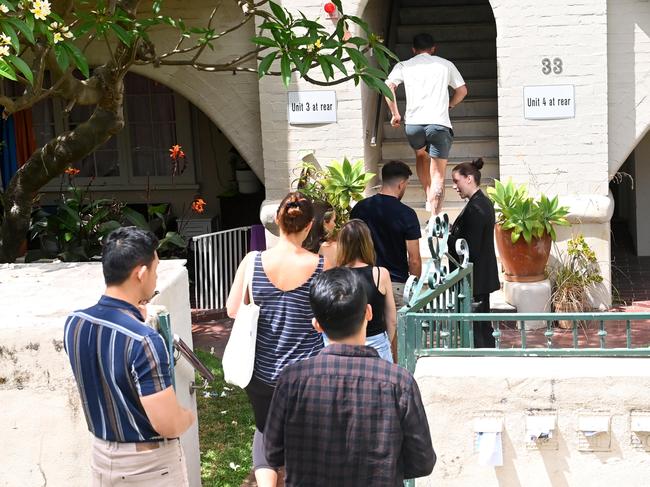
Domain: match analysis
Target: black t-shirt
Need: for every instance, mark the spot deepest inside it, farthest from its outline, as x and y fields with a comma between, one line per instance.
x=391, y=224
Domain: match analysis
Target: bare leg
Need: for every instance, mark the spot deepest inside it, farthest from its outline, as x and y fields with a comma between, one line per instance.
x=266, y=477
x=437, y=191
x=423, y=170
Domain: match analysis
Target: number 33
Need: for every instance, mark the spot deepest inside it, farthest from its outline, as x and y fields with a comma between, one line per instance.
x=556, y=67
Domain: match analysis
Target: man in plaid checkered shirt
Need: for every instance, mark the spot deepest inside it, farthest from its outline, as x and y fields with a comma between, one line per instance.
x=346, y=417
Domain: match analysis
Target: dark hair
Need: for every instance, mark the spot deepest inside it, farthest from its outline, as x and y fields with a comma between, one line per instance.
x=295, y=212
x=470, y=169
x=394, y=172
x=338, y=300
x=355, y=242
x=123, y=250
x=323, y=212
x=423, y=41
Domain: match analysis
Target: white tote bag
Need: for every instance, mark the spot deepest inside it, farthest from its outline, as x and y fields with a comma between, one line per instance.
x=239, y=355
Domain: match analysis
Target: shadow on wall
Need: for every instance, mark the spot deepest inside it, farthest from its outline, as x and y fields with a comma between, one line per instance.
x=627, y=21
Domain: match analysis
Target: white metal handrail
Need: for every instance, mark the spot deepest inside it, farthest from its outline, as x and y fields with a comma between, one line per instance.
x=216, y=257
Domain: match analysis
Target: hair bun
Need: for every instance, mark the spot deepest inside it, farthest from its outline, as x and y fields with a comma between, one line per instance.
x=478, y=163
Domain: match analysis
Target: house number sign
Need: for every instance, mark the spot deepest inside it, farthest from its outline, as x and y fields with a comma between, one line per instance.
x=554, y=66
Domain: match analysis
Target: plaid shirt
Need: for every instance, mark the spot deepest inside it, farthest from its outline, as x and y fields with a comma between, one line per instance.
x=348, y=418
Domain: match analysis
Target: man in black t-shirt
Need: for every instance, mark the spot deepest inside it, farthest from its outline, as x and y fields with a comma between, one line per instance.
x=394, y=227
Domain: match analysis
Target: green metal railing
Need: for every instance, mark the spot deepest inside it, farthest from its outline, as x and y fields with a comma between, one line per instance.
x=437, y=319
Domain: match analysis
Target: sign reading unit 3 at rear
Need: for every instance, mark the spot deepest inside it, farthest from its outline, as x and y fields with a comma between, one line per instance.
x=550, y=102
x=307, y=107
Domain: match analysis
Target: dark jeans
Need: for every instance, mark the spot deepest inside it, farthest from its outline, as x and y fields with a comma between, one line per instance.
x=482, y=329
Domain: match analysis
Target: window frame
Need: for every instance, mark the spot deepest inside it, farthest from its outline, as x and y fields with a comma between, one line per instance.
x=127, y=180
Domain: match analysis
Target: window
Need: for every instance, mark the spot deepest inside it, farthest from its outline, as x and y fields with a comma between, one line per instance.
x=155, y=119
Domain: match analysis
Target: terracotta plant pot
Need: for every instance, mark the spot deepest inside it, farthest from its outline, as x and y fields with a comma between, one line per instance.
x=522, y=262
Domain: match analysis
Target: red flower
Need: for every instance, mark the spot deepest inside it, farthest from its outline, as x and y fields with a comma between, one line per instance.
x=176, y=152
x=198, y=205
x=72, y=171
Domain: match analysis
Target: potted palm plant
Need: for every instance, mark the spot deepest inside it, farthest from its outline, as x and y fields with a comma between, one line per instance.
x=575, y=273
x=339, y=183
x=525, y=230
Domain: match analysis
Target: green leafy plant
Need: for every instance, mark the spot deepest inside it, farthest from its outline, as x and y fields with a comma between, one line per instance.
x=339, y=184
x=523, y=215
x=576, y=271
x=74, y=231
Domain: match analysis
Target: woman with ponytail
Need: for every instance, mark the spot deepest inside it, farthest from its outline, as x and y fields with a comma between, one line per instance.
x=281, y=280
x=475, y=224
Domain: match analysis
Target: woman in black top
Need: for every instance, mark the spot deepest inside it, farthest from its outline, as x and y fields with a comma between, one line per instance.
x=475, y=224
x=356, y=251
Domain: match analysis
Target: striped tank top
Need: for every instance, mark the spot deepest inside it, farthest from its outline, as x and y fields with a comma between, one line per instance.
x=284, y=330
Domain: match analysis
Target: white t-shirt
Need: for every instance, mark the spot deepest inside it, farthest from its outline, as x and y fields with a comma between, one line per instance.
x=426, y=79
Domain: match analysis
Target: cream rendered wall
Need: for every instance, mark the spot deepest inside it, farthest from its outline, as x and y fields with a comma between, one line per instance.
x=44, y=432
x=230, y=101
x=628, y=36
x=455, y=391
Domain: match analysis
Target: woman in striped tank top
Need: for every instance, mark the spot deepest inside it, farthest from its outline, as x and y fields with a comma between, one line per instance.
x=281, y=280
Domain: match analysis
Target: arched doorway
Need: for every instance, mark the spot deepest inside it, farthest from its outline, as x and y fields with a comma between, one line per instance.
x=465, y=33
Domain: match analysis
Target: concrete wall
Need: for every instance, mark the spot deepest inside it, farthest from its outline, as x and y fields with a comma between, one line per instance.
x=43, y=426
x=456, y=391
x=628, y=58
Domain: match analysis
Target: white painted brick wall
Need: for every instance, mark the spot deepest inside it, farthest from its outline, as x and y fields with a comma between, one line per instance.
x=553, y=155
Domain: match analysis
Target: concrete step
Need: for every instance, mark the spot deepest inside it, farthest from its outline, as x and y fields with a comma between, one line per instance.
x=415, y=194
x=448, y=32
x=463, y=147
x=454, y=14
x=477, y=68
x=463, y=126
x=472, y=106
x=490, y=167
x=455, y=50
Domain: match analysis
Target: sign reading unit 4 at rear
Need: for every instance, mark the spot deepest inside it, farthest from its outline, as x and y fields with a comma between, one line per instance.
x=550, y=102
x=306, y=107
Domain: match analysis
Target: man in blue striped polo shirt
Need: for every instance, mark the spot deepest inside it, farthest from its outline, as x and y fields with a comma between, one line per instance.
x=122, y=371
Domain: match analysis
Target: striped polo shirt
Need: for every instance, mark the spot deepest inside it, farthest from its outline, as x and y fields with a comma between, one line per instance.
x=116, y=359
x=284, y=330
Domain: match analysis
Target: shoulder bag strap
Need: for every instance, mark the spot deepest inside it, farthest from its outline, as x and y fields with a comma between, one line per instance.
x=248, y=279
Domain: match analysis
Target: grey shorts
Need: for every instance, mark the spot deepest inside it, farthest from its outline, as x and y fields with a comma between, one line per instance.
x=436, y=138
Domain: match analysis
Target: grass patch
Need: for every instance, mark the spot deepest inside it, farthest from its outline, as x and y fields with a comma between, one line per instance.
x=226, y=427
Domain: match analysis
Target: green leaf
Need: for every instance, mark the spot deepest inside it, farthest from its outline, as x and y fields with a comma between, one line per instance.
x=8, y=30
x=285, y=69
x=135, y=218
x=336, y=62
x=326, y=67
x=378, y=85
x=279, y=12
x=125, y=37
x=62, y=58
x=380, y=47
x=6, y=71
x=357, y=57
x=24, y=28
x=174, y=239
x=79, y=58
x=264, y=41
x=22, y=67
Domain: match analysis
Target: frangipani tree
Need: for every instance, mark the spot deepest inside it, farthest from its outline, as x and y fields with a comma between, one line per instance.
x=40, y=36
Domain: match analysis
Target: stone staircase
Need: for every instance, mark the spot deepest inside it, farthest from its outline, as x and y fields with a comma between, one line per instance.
x=465, y=33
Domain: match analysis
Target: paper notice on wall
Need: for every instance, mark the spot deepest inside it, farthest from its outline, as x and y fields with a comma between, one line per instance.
x=490, y=449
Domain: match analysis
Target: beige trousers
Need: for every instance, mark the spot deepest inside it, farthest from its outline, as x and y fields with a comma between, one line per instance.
x=159, y=464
